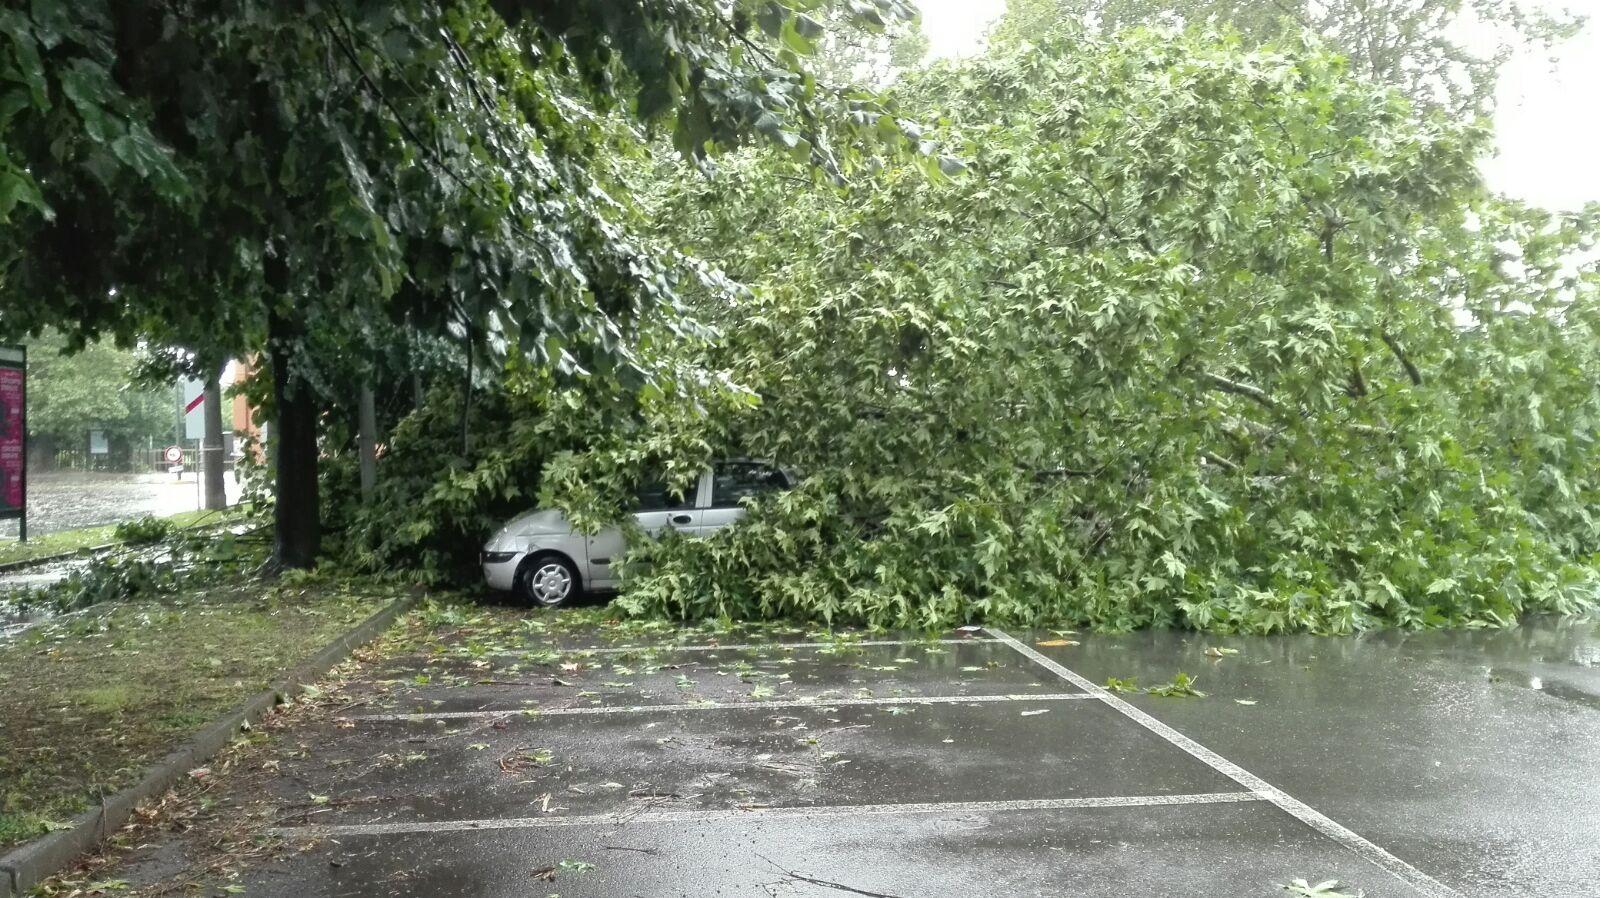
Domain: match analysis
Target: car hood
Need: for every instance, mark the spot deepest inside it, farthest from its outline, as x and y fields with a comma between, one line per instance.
x=540, y=520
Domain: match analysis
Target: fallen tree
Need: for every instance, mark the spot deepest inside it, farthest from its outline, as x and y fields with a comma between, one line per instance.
x=1202, y=336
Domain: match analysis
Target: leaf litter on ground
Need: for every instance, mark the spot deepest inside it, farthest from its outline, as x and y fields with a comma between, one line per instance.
x=1182, y=686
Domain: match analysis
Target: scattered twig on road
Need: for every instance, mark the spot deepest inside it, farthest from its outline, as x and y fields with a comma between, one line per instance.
x=825, y=883
x=524, y=757
x=300, y=816
x=630, y=848
x=652, y=793
x=491, y=723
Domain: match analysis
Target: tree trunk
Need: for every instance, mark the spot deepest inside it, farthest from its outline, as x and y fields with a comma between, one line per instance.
x=211, y=452
x=367, y=442
x=296, y=515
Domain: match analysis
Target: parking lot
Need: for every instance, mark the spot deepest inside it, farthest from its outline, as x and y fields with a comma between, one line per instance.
x=520, y=762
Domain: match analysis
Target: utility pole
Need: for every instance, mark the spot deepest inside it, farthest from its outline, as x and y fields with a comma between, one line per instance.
x=177, y=402
x=211, y=452
x=367, y=441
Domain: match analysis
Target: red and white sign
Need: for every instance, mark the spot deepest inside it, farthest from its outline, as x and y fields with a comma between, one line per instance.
x=173, y=455
x=194, y=398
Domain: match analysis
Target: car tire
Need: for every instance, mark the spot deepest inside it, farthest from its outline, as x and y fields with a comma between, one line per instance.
x=549, y=580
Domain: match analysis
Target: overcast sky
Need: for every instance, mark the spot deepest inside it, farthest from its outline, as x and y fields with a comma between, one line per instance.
x=1548, y=120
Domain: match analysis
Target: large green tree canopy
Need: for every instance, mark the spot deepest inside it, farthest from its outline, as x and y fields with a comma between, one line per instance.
x=1205, y=335
x=307, y=179
x=1444, y=53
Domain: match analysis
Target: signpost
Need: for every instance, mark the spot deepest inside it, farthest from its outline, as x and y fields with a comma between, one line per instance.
x=174, y=458
x=14, y=437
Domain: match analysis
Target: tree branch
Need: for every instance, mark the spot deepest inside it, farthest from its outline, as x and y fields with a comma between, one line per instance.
x=1400, y=355
x=1218, y=382
x=825, y=883
x=1357, y=387
x=427, y=149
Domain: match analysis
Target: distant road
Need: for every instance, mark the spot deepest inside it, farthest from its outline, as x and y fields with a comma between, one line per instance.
x=67, y=500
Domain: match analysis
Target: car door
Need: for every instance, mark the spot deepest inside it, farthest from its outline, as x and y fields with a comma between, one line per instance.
x=731, y=483
x=656, y=508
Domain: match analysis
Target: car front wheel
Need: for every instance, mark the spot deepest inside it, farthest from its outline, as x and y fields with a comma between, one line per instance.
x=550, y=581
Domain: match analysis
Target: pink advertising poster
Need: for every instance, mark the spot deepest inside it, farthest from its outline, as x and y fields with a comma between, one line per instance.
x=11, y=436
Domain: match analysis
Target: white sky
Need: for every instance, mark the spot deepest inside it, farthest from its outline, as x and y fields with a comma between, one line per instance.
x=1547, y=120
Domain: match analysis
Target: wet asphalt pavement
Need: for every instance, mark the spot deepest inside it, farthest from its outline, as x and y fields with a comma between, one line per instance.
x=67, y=500
x=1399, y=764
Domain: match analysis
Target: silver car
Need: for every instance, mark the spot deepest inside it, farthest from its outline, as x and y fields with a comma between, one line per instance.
x=539, y=555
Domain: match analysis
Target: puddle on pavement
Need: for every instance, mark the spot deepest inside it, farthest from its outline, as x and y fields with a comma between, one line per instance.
x=36, y=578
x=16, y=618
x=1550, y=686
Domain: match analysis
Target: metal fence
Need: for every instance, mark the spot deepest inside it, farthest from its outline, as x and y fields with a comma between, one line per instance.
x=83, y=460
x=139, y=461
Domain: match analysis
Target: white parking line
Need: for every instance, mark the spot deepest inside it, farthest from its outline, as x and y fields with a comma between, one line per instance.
x=778, y=813
x=724, y=706
x=1257, y=786
x=780, y=646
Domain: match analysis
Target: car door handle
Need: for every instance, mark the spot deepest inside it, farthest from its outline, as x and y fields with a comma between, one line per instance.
x=682, y=519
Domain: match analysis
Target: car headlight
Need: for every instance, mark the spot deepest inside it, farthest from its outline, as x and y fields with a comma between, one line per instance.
x=498, y=557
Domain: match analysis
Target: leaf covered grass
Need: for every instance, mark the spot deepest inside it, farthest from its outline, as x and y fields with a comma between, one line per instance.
x=93, y=699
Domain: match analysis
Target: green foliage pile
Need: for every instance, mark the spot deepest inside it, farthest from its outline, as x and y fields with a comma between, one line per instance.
x=434, y=504
x=1205, y=336
x=143, y=531
x=439, y=497
x=160, y=561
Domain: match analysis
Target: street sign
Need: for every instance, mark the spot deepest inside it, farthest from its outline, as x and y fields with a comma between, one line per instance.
x=173, y=455
x=192, y=393
x=14, y=436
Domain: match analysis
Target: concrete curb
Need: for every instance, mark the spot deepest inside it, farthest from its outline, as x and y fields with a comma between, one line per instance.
x=26, y=563
x=30, y=864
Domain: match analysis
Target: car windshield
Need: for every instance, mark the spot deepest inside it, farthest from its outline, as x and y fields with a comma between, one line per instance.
x=657, y=495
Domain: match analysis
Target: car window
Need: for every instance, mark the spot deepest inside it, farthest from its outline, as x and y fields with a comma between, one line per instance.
x=658, y=496
x=735, y=480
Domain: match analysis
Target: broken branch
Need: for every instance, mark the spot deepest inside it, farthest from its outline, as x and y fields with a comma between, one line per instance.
x=828, y=884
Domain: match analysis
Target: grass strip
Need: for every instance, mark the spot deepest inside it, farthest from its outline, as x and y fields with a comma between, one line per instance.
x=125, y=682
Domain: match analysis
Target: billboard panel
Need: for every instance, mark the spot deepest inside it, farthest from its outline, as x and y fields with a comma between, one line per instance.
x=13, y=431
